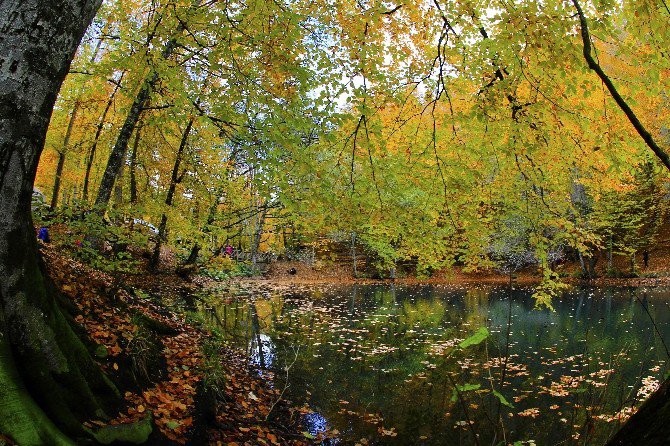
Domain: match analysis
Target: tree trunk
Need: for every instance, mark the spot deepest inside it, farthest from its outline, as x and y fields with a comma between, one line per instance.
x=211, y=217
x=592, y=266
x=174, y=180
x=118, y=189
x=257, y=235
x=582, y=265
x=649, y=425
x=47, y=376
x=98, y=132
x=59, y=173
x=120, y=148
x=118, y=153
x=353, y=254
x=133, y=166
x=610, y=264
x=62, y=154
x=193, y=255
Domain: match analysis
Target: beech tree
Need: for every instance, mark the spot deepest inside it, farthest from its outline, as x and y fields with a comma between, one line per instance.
x=48, y=381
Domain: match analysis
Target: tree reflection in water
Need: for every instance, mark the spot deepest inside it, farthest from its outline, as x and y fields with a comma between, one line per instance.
x=382, y=364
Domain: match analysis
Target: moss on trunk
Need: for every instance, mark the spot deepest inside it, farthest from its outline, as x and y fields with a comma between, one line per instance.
x=55, y=366
x=20, y=417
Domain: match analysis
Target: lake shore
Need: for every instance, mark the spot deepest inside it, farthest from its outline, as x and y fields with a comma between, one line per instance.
x=171, y=369
x=280, y=273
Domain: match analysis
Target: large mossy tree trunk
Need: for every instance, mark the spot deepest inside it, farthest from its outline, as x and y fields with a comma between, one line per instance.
x=48, y=381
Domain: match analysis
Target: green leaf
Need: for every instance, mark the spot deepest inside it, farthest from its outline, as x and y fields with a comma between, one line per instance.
x=464, y=388
x=468, y=387
x=502, y=399
x=308, y=435
x=172, y=424
x=476, y=338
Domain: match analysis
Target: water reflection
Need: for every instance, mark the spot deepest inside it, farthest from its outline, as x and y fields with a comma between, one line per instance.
x=315, y=423
x=262, y=351
x=382, y=366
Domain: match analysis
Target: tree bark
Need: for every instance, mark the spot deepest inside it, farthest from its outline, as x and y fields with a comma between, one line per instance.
x=118, y=189
x=174, y=180
x=649, y=425
x=47, y=376
x=592, y=266
x=257, y=236
x=193, y=255
x=353, y=254
x=59, y=173
x=610, y=264
x=120, y=148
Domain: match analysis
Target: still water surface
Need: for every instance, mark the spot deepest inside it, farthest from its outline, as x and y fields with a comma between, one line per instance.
x=382, y=364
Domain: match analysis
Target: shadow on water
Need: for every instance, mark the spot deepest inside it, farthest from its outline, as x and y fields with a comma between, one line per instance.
x=381, y=364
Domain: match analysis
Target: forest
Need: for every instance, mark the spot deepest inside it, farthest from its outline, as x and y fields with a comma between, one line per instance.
x=334, y=222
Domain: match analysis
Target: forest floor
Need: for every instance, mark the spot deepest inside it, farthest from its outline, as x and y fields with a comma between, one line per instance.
x=159, y=360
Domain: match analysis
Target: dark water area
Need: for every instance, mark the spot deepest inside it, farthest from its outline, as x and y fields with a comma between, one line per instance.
x=382, y=364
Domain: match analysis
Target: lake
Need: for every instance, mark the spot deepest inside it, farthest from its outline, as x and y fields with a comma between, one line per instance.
x=445, y=365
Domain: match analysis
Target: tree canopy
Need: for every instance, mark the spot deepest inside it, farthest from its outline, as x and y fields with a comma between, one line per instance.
x=506, y=135
x=438, y=132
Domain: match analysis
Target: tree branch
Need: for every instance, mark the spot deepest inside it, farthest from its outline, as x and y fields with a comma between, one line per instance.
x=392, y=10
x=621, y=102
